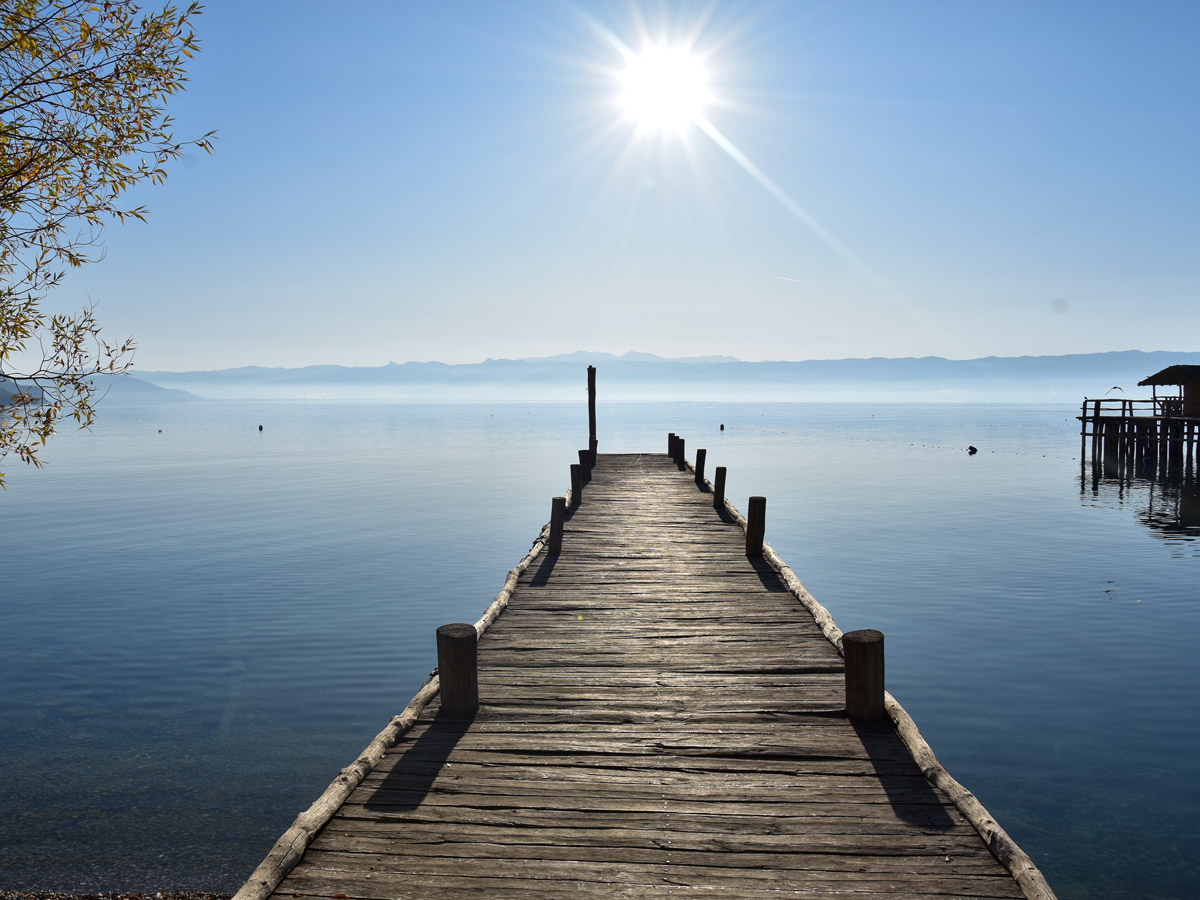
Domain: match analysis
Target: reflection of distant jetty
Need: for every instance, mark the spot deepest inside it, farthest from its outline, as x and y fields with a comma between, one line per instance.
x=1161, y=434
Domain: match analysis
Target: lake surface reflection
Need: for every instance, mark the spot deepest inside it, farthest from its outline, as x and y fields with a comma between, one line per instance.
x=201, y=625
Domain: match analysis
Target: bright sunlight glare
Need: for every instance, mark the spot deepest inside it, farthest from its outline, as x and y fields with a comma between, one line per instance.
x=664, y=88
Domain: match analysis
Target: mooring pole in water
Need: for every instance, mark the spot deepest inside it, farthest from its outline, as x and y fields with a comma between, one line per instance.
x=700, y=455
x=558, y=512
x=863, y=651
x=719, y=488
x=756, y=525
x=592, y=443
x=458, y=668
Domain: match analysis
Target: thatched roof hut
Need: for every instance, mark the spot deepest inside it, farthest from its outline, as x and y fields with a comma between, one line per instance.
x=1187, y=378
x=1180, y=375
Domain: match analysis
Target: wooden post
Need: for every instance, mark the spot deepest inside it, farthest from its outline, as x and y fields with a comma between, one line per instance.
x=671, y=444
x=594, y=445
x=680, y=459
x=558, y=512
x=863, y=651
x=592, y=413
x=756, y=525
x=458, y=669
x=719, y=488
x=585, y=457
x=1083, y=430
x=576, y=484
x=700, y=455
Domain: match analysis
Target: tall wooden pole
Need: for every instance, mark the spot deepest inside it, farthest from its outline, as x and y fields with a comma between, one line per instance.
x=592, y=413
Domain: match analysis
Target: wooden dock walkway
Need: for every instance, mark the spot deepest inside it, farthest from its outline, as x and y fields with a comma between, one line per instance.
x=659, y=716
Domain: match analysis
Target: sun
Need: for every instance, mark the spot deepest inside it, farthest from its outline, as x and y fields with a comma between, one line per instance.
x=664, y=88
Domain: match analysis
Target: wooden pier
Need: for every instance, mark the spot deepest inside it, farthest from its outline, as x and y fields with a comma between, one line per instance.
x=1159, y=436
x=662, y=712
x=1138, y=436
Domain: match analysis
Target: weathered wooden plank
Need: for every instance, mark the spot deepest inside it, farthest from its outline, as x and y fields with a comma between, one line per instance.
x=802, y=829
x=328, y=869
x=845, y=842
x=641, y=847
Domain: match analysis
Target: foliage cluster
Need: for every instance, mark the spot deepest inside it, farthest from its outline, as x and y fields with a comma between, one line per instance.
x=84, y=88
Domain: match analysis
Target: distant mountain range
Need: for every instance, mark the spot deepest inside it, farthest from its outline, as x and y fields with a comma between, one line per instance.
x=644, y=376
x=124, y=390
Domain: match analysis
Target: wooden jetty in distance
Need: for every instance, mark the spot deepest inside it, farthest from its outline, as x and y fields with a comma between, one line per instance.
x=1159, y=435
x=653, y=706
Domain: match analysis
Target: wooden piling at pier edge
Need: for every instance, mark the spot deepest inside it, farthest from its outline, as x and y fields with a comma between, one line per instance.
x=863, y=652
x=558, y=514
x=458, y=668
x=718, y=486
x=290, y=847
x=576, y=491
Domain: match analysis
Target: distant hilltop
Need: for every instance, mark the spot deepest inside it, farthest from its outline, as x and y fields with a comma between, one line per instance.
x=120, y=390
x=637, y=376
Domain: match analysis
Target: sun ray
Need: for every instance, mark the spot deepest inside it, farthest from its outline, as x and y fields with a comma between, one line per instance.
x=792, y=206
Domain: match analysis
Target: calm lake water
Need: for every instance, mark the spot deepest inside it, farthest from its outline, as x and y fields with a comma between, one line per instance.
x=201, y=623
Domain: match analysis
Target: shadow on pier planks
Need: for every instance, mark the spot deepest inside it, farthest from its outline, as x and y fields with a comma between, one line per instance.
x=659, y=717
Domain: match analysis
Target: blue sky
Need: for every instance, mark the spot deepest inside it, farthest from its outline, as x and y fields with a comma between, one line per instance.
x=455, y=181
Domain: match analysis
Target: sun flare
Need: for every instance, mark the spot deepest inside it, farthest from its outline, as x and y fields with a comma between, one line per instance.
x=664, y=88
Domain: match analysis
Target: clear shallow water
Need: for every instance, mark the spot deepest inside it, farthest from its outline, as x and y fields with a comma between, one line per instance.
x=199, y=627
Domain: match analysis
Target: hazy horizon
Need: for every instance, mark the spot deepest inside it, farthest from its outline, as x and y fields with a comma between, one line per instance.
x=584, y=356
x=639, y=376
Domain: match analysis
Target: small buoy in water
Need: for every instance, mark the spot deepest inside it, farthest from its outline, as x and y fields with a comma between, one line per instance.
x=722, y=426
x=160, y=431
x=972, y=450
x=260, y=428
